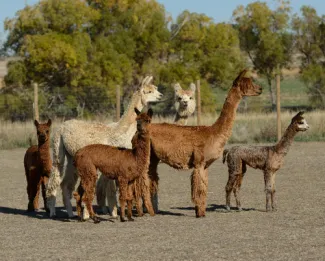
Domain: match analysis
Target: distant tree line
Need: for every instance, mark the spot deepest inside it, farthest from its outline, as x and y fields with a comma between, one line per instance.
x=79, y=51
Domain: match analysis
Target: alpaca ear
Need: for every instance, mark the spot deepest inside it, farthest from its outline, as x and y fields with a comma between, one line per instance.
x=36, y=123
x=301, y=113
x=49, y=122
x=150, y=112
x=240, y=76
x=177, y=87
x=192, y=87
x=137, y=111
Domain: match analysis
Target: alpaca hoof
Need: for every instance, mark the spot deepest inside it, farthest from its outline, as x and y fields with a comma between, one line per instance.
x=130, y=219
x=228, y=208
x=239, y=209
x=122, y=219
x=274, y=209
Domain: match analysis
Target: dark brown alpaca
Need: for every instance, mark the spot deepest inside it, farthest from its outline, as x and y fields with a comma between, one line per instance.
x=38, y=164
x=267, y=158
x=124, y=165
x=187, y=147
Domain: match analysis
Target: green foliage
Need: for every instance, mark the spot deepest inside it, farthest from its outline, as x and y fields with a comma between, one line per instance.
x=265, y=37
x=79, y=51
x=309, y=29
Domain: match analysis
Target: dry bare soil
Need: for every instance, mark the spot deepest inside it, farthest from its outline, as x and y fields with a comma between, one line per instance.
x=295, y=232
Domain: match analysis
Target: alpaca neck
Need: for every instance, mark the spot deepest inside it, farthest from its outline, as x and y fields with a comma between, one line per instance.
x=282, y=147
x=223, y=126
x=129, y=116
x=180, y=120
x=44, y=155
x=142, y=150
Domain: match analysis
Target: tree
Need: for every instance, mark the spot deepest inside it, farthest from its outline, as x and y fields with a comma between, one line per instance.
x=309, y=32
x=264, y=36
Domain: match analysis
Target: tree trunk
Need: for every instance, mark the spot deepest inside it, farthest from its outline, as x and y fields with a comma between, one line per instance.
x=272, y=96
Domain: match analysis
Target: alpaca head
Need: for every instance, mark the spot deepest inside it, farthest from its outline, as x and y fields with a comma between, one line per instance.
x=43, y=131
x=299, y=123
x=143, y=119
x=185, y=100
x=245, y=85
x=148, y=91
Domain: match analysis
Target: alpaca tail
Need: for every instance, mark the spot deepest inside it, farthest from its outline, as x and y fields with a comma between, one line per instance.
x=225, y=154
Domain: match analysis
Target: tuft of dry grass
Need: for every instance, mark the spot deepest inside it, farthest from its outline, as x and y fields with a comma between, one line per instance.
x=248, y=128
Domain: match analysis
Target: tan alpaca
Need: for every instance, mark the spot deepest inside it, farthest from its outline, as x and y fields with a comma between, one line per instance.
x=38, y=164
x=75, y=134
x=267, y=158
x=187, y=147
x=124, y=165
x=184, y=103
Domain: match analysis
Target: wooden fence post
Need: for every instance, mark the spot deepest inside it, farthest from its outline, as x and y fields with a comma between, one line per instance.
x=118, y=103
x=278, y=105
x=198, y=102
x=35, y=104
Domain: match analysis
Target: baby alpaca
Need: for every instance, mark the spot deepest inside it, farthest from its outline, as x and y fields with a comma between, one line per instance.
x=124, y=165
x=184, y=103
x=267, y=158
x=38, y=164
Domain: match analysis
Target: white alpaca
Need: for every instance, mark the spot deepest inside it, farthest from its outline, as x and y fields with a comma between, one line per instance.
x=184, y=103
x=74, y=134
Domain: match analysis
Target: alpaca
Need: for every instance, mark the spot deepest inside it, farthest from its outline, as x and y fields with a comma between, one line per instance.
x=267, y=158
x=196, y=147
x=124, y=165
x=38, y=164
x=184, y=103
x=74, y=134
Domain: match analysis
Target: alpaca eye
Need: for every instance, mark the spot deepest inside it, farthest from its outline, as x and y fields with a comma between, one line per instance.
x=191, y=98
x=38, y=133
x=47, y=132
x=150, y=91
x=179, y=98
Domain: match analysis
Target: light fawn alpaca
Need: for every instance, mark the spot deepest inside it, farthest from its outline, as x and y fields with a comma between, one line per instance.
x=38, y=164
x=124, y=165
x=197, y=147
x=74, y=134
x=267, y=158
x=184, y=103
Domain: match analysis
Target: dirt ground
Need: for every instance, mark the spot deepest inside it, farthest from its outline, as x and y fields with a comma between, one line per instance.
x=295, y=232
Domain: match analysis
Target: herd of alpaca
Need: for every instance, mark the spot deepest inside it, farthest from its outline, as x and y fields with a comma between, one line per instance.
x=130, y=150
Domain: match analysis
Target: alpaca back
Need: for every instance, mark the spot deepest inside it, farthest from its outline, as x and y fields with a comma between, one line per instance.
x=116, y=161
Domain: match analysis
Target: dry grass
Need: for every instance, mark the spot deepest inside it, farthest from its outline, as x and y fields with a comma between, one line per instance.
x=248, y=128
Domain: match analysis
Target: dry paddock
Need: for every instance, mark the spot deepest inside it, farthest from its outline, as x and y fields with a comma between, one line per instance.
x=295, y=232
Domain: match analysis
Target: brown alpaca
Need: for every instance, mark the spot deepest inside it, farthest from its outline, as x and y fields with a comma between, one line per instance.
x=124, y=165
x=187, y=147
x=267, y=158
x=38, y=164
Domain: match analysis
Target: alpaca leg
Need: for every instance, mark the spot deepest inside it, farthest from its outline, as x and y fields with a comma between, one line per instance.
x=33, y=189
x=129, y=201
x=44, y=183
x=101, y=193
x=89, y=186
x=268, y=189
x=154, y=179
x=273, y=199
x=145, y=190
x=110, y=193
x=229, y=188
x=123, y=186
x=199, y=185
x=236, y=190
x=68, y=185
x=59, y=153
